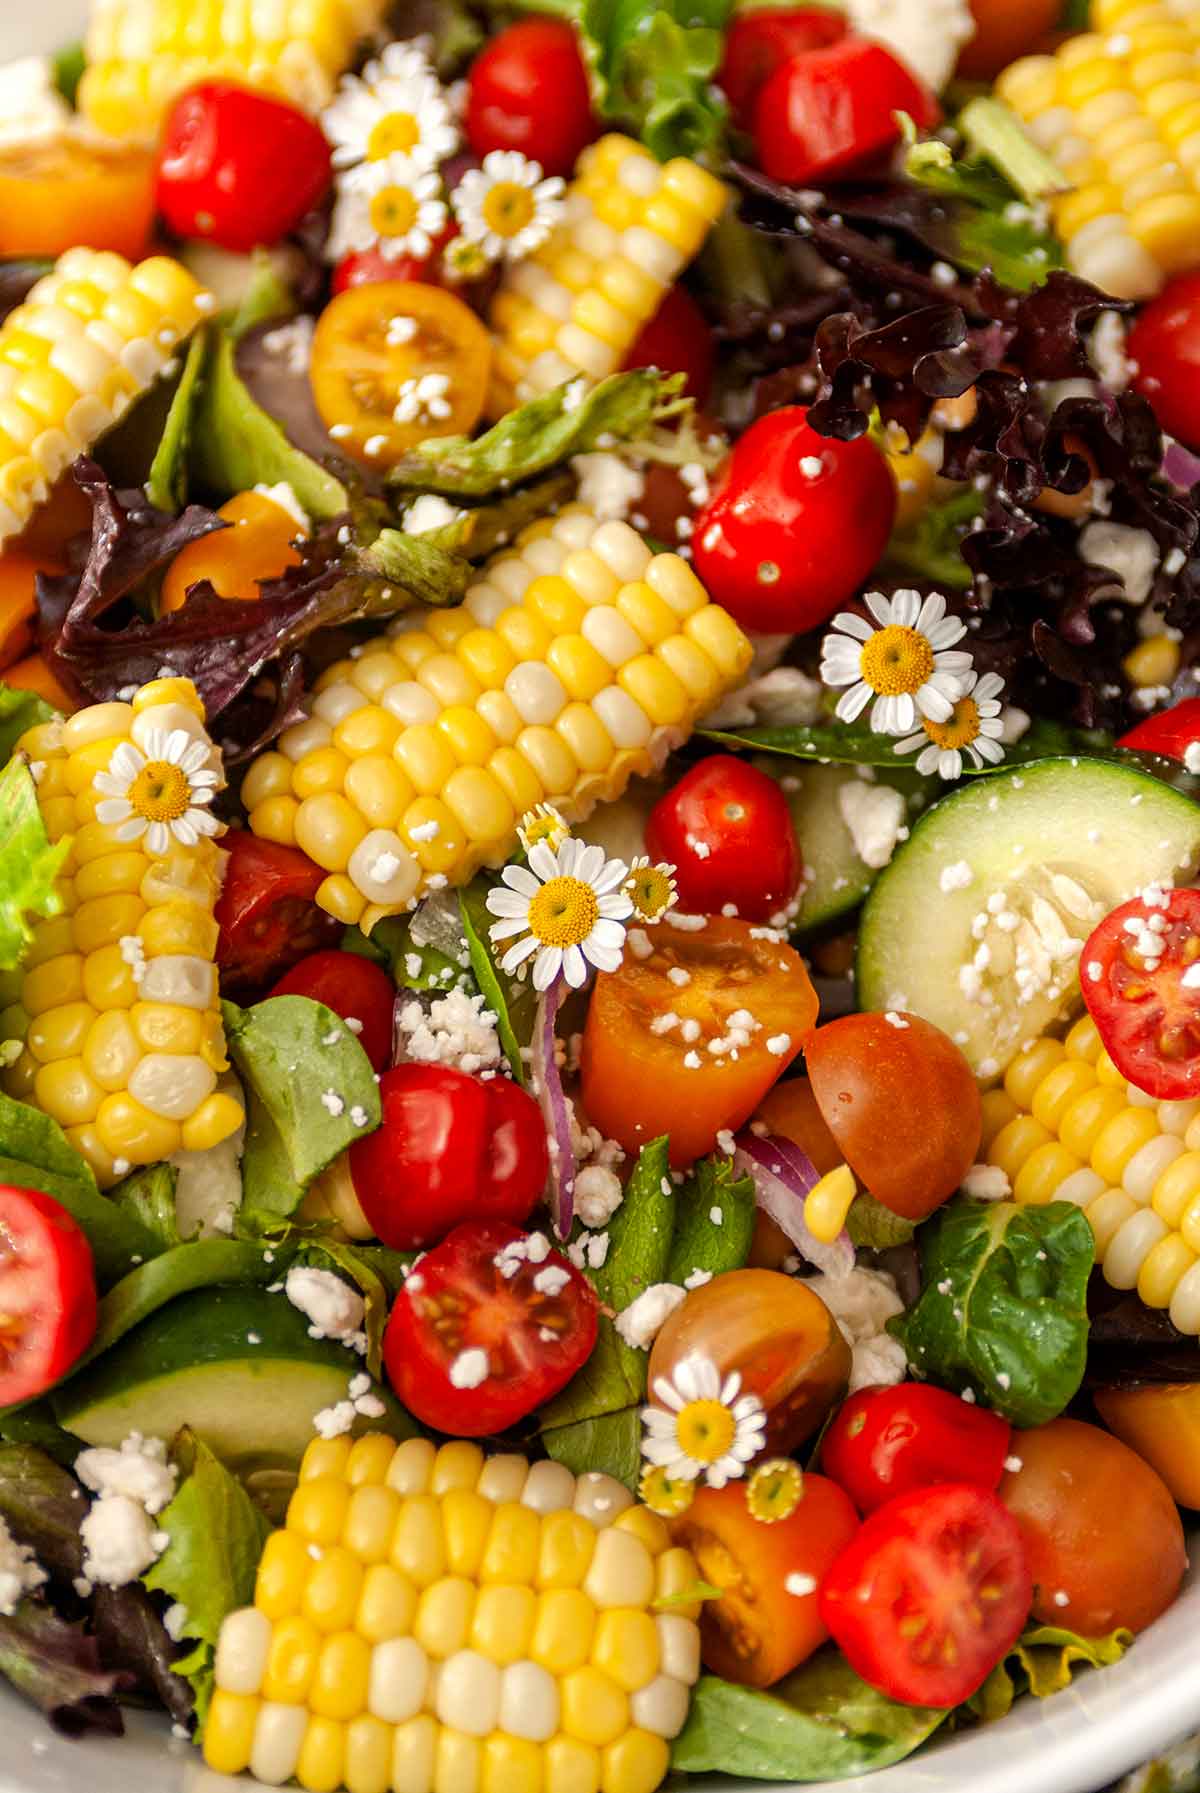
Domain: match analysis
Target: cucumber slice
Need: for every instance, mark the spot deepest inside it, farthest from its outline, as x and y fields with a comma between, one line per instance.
x=192, y=1364
x=1047, y=851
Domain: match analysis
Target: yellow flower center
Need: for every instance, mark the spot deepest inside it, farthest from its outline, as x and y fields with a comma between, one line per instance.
x=651, y=892
x=896, y=660
x=664, y=1494
x=393, y=212
x=774, y=1490
x=508, y=208
x=160, y=792
x=542, y=825
x=959, y=729
x=564, y=912
x=394, y=135
x=705, y=1430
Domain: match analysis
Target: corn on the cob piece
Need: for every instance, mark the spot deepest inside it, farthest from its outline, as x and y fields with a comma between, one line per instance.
x=118, y=1009
x=575, y=307
x=1066, y=1126
x=434, y=1619
x=1118, y=107
x=575, y=661
x=92, y=335
x=141, y=54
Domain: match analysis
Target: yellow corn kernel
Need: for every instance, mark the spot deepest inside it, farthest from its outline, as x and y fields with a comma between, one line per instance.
x=370, y=1522
x=417, y=1549
x=1068, y=1079
x=998, y=1109
x=387, y=1604
x=1163, y=1268
x=1124, y=1135
x=444, y=1616
x=1043, y=1171
x=328, y=828
x=283, y=1572
x=1154, y=661
x=828, y=1203
x=275, y=819
x=467, y=734
x=339, y=1684
x=563, y=1629
x=317, y=1510
x=369, y=730
x=322, y=1756
x=503, y=1622
x=229, y=1731
x=128, y=1130
x=322, y=770
x=675, y=1573
x=511, y=1553
x=554, y=598
x=64, y=1091
x=60, y=1032
x=111, y=1050
x=291, y=1661
x=510, y=1765
x=625, y=1647
x=367, y=1767
x=1029, y=1068
x=594, y=1709
x=333, y=1591
x=1086, y=1118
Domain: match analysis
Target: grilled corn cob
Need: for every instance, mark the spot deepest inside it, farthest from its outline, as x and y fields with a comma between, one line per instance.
x=1066, y=1126
x=118, y=1008
x=576, y=306
x=573, y=663
x=142, y=53
x=90, y=338
x=431, y=1619
x=1118, y=108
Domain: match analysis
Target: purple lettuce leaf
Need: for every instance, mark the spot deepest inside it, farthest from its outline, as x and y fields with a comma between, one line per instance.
x=57, y=1666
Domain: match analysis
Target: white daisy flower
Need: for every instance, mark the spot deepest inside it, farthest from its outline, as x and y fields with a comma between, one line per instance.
x=390, y=206
x=397, y=106
x=651, y=888
x=163, y=794
x=506, y=207
x=974, y=726
x=705, y=1426
x=901, y=667
x=569, y=909
x=542, y=823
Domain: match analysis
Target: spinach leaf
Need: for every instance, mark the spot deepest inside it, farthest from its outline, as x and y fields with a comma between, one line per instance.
x=714, y=1222
x=166, y=487
x=149, y=1196
x=822, y=1723
x=512, y=1000
x=1043, y=1661
x=19, y=710
x=853, y=744
x=1003, y=1305
x=611, y=1442
x=28, y=864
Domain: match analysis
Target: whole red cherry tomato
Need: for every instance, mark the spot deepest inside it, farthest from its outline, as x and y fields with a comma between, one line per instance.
x=795, y=524
x=528, y=90
x=1171, y=732
x=47, y=1293
x=1136, y=975
x=1164, y=347
x=238, y=168
x=488, y=1327
x=353, y=987
x=369, y=266
x=888, y=1441
x=930, y=1594
x=727, y=829
x=757, y=42
x=266, y=913
x=829, y=113
x=677, y=340
x=450, y=1146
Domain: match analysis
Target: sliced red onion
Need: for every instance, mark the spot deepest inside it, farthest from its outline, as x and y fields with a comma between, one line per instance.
x=1181, y=466
x=783, y=1176
x=547, y=1087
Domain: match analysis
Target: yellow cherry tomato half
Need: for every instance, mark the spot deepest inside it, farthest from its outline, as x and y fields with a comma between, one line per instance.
x=257, y=545
x=395, y=362
x=62, y=192
x=18, y=576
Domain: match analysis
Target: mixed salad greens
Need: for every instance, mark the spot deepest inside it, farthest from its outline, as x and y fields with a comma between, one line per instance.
x=599, y=835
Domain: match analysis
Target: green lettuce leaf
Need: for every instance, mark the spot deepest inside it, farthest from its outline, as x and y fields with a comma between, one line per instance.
x=1002, y=1310
x=479, y=531
x=28, y=864
x=701, y=1242
x=875, y=1227
x=1041, y=1662
x=932, y=547
x=19, y=710
x=410, y=966
x=166, y=487
x=652, y=64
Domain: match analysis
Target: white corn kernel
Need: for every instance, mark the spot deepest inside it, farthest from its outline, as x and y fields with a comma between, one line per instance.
x=540, y=287
x=399, y=1680
x=304, y=738
x=652, y=254
x=661, y=1707
x=512, y=574
x=412, y=1466
x=278, y=1736
x=1185, y=1302
x=165, y=719
x=382, y=867
x=679, y=1646
x=622, y=549
x=182, y=978
x=1081, y=1187
x=608, y=632
x=536, y=692
x=550, y=1487
x=486, y=602
x=583, y=350
x=1127, y=1252
x=172, y=1086
x=410, y=703
x=502, y=1479
x=1148, y=1164
x=468, y=1693
x=625, y=720
x=242, y=1649
x=529, y=1703
x=575, y=529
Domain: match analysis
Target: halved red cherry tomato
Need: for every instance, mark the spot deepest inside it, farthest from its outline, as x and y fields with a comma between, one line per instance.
x=355, y=988
x=47, y=1293
x=830, y=113
x=902, y=1103
x=768, y=1619
x=528, y=90
x=266, y=912
x=1171, y=732
x=731, y=987
x=1142, y=989
x=1164, y=347
x=677, y=340
x=451, y=1147
x=369, y=266
x=931, y=1594
x=795, y=524
x=888, y=1441
x=238, y=168
x=757, y=42
x=727, y=829
x=489, y=1326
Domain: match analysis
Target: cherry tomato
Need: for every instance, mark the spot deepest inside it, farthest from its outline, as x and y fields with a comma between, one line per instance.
x=888, y=1441
x=256, y=546
x=33, y=674
x=757, y=42
x=762, y=1628
x=1137, y=981
x=18, y=579
x=370, y=266
x=61, y=192
x=1171, y=732
x=901, y=1102
x=777, y=1334
x=1004, y=30
x=931, y=1594
x=450, y=1148
x=1164, y=347
x=795, y=524
x=238, y=168
x=47, y=1293
x=828, y=114
x=732, y=987
x=528, y=90
x=790, y=1109
x=727, y=829
x=476, y=1339
x=677, y=340
x=266, y=912
x=360, y=366
x=353, y=987
x=1103, y=1537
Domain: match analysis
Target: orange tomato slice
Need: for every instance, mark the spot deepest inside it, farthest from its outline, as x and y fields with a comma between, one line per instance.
x=256, y=546
x=33, y=674
x=395, y=362
x=18, y=571
x=56, y=194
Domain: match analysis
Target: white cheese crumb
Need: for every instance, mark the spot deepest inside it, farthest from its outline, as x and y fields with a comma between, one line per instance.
x=862, y=1302
x=1191, y=756
x=640, y=1322
x=778, y=1044
x=1013, y=1464
x=470, y=1368
x=697, y=1278
x=175, y=1621
x=335, y=1310
x=608, y=485
x=955, y=877
x=20, y=1571
x=333, y=1422
x=429, y=512
x=552, y=1280
x=1061, y=1597
x=800, y=1585
x=598, y=1194
x=458, y=1030
x=874, y=815
x=139, y=1471
x=283, y=496
x=120, y=1541
x=1132, y=554
x=927, y=35
x=895, y=1020
x=332, y=1103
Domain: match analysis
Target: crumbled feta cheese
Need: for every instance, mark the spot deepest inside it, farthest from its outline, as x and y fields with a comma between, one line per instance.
x=598, y=1194
x=20, y=1571
x=1132, y=554
x=640, y=1322
x=283, y=496
x=874, y=815
x=608, y=485
x=1191, y=756
x=785, y=697
x=955, y=877
x=335, y=1310
x=470, y=1368
x=862, y=1302
x=175, y=1621
x=1106, y=351
x=697, y=1278
x=778, y=1044
x=799, y=1584
x=457, y=1030
x=139, y=1471
x=120, y=1541
x=335, y=1421
x=429, y=512
x=552, y=1280
x=292, y=343
x=925, y=34
x=332, y=1103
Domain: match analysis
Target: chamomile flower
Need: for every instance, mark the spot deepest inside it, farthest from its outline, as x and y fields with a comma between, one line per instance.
x=464, y=260
x=568, y=909
x=395, y=107
x=388, y=205
x=162, y=794
x=651, y=889
x=901, y=665
x=506, y=207
x=705, y=1427
x=665, y=1495
x=542, y=823
x=974, y=727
